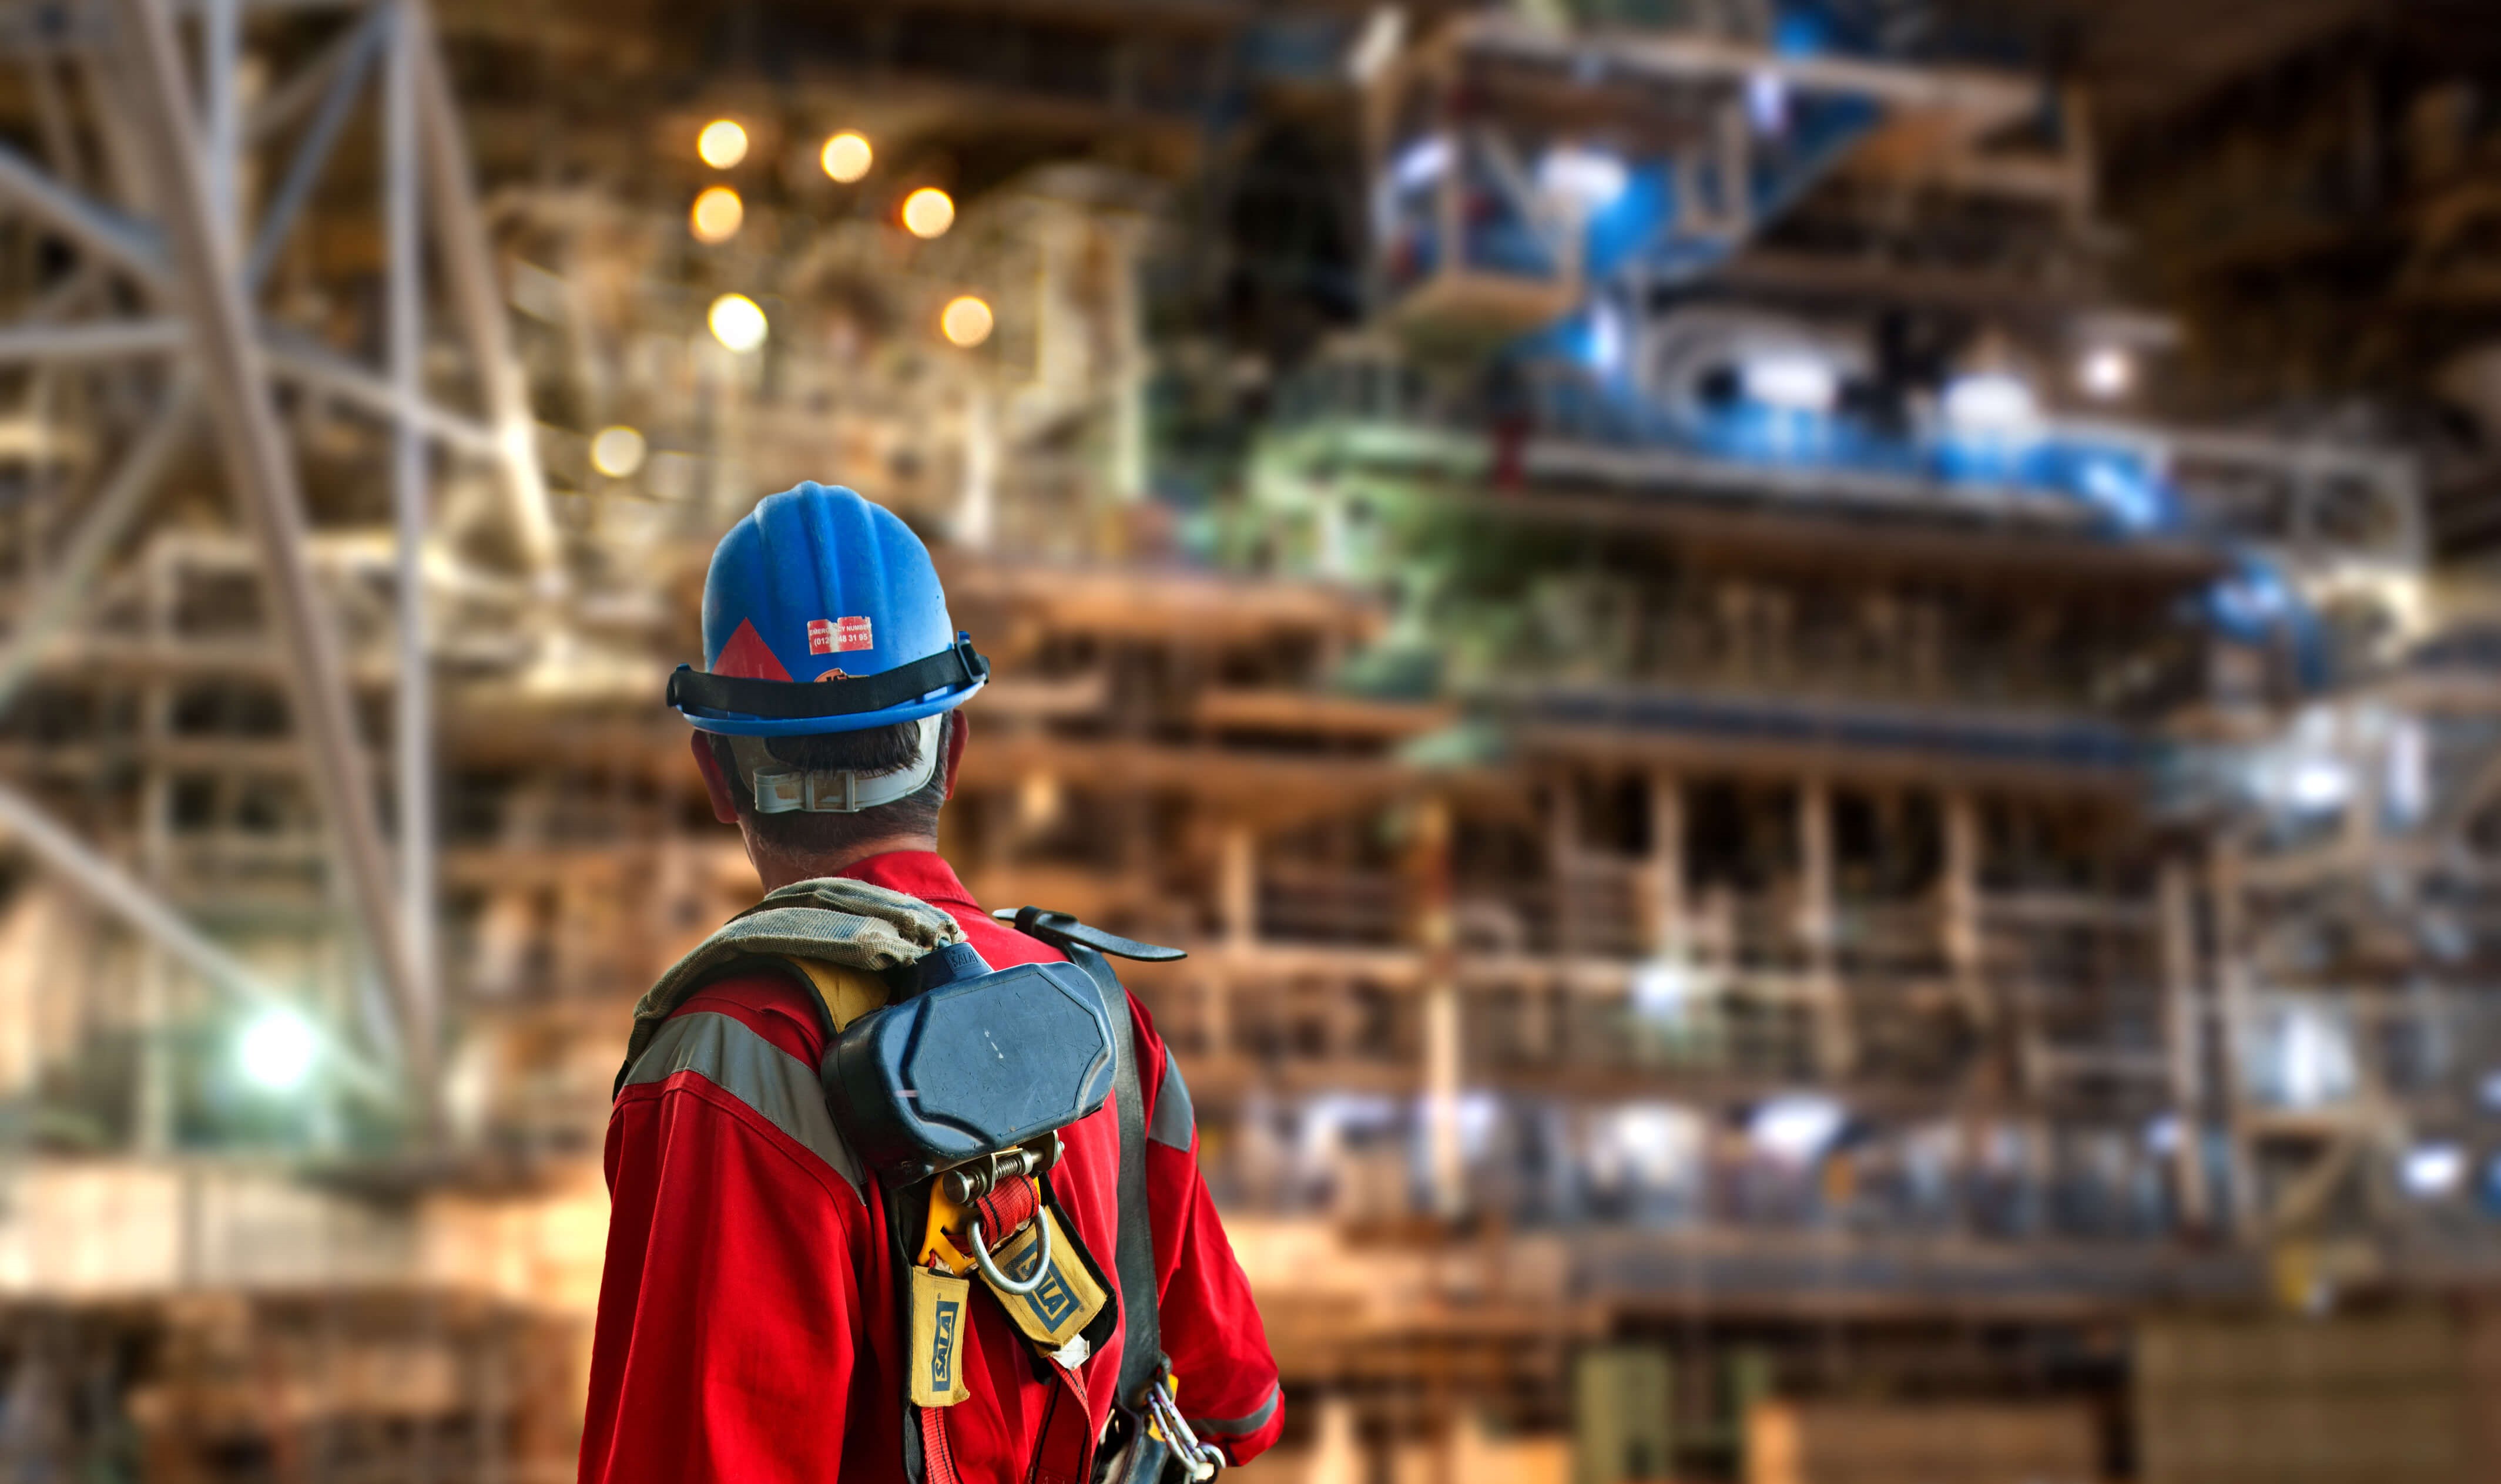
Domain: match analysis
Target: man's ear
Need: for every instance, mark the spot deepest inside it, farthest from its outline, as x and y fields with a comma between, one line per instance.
x=725, y=804
x=958, y=727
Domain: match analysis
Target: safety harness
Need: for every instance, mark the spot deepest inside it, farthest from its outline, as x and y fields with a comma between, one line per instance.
x=949, y=1081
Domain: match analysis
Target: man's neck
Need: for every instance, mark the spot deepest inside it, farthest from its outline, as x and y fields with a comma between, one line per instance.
x=778, y=867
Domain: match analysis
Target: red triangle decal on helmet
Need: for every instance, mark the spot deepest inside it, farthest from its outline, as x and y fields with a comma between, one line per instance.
x=748, y=656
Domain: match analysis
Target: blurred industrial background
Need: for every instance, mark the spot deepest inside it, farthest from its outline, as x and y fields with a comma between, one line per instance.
x=1817, y=681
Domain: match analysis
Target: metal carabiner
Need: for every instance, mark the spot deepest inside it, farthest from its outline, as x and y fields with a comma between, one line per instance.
x=1200, y=1461
x=991, y=1269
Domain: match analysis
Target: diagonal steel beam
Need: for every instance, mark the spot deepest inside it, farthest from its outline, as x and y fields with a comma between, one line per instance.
x=404, y=316
x=460, y=238
x=222, y=121
x=53, y=119
x=277, y=107
x=345, y=80
x=114, y=889
x=234, y=375
x=95, y=226
x=303, y=363
x=290, y=358
x=114, y=508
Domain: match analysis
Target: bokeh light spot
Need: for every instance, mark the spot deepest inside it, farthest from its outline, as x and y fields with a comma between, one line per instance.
x=278, y=1050
x=717, y=214
x=738, y=322
x=722, y=144
x=845, y=156
x=966, y=320
x=929, y=212
x=617, y=452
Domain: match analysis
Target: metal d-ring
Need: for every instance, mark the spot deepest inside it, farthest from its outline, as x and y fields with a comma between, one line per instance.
x=1000, y=1280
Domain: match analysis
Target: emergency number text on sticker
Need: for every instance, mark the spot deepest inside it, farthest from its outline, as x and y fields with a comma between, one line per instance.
x=836, y=636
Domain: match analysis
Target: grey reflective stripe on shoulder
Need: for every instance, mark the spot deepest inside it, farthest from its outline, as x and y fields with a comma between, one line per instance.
x=757, y=1073
x=1240, y=1427
x=1174, y=1117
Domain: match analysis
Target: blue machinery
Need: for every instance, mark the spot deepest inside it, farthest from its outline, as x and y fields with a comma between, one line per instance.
x=1543, y=196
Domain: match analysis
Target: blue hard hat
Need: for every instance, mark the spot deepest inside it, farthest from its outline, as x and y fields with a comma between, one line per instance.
x=823, y=614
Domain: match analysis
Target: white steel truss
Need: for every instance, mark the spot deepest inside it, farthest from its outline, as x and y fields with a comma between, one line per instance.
x=179, y=150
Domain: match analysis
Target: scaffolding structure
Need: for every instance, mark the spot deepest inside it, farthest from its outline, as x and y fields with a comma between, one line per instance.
x=1701, y=860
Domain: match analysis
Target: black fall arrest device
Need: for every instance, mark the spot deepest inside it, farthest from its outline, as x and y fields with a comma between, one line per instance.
x=965, y=1078
x=973, y=1062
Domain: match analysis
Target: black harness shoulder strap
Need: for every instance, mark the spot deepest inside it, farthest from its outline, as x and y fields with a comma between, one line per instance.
x=1142, y=1354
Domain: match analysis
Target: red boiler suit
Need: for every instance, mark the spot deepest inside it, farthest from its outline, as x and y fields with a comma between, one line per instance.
x=750, y=1328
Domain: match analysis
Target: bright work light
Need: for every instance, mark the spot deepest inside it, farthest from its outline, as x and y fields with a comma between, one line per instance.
x=2107, y=372
x=1990, y=402
x=278, y=1050
x=2433, y=1171
x=1792, y=381
x=1797, y=1127
x=1590, y=179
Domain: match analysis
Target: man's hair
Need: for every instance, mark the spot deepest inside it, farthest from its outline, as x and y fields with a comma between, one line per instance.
x=870, y=752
